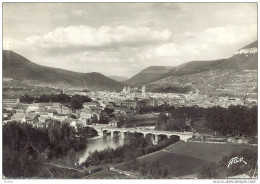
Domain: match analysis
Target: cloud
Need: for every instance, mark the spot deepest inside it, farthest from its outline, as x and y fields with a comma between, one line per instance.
x=212, y=43
x=127, y=50
x=79, y=13
x=103, y=37
x=166, y=6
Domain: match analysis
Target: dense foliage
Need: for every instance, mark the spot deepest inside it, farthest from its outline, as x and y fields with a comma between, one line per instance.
x=136, y=147
x=76, y=101
x=159, y=108
x=220, y=169
x=26, y=149
x=234, y=120
x=151, y=170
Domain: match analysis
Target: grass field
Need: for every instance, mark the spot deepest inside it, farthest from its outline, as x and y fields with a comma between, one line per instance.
x=185, y=157
x=206, y=151
x=107, y=174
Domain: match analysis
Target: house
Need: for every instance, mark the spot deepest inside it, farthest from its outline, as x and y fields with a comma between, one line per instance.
x=60, y=117
x=113, y=123
x=44, y=123
x=43, y=115
x=89, y=105
x=30, y=118
x=36, y=106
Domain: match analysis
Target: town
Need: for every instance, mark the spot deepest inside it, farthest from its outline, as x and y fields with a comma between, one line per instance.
x=124, y=105
x=130, y=91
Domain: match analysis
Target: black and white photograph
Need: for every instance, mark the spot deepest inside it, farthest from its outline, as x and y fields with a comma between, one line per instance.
x=130, y=91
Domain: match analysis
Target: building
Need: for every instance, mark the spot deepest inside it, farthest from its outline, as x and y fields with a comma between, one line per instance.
x=10, y=102
x=129, y=104
x=126, y=90
x=60, y=117
x=73, y=122
x=143, y=89
x=89, y=105
x=86, y=114
x=30, y=118
x=146, y=103
x=45, y=106
x=113, y=123
x=150, y=102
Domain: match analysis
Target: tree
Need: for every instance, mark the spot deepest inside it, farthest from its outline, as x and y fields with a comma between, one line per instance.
x=76, y=102
x=104, y=117
x=94, y=119
x=162, y=118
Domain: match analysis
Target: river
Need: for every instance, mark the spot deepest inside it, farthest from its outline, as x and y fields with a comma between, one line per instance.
x=100, y=143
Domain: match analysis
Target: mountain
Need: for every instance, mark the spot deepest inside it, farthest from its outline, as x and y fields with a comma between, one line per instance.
x=18, y=67
x=235, y=76
x=245, y=58
x=148, y=75
x=118, y=78
x=192, y=67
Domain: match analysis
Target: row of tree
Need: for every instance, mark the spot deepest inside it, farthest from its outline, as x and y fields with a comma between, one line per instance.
x=152, y=169
x=75, y=101
x=234, y=120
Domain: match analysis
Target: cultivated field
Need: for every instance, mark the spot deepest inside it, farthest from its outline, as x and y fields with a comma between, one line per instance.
x=185, y=157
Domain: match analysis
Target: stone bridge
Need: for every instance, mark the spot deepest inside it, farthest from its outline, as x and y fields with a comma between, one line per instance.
x=114, y=131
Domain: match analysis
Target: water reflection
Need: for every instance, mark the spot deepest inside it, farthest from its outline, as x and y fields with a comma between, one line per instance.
x=100, y=143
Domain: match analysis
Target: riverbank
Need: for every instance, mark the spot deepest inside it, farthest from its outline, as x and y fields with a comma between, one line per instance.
x=115, y=172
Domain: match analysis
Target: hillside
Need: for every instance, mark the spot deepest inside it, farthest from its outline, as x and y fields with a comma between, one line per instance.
x=17, y=67
x=148, y=75
x=245, y=58
x=236, y=76
x=192, y=67
x=118, y=78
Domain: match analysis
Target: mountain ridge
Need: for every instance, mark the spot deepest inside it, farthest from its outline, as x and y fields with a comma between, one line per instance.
x=147, y=75
x=245, y=58
x=18, y=67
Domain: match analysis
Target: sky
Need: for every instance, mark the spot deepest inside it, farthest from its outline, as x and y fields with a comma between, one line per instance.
x=124, y=38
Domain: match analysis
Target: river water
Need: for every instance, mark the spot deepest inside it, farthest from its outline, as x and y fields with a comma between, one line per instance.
x=100, y=143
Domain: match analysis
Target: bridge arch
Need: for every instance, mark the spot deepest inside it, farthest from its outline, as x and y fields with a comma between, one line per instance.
x=123, y=134
x=106, y=132
x=114, y=133
x=170, y=136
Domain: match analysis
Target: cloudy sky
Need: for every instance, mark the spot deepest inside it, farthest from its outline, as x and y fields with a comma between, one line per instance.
x=124, y=38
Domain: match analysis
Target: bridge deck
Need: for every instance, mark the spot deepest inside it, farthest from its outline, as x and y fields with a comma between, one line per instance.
x=139, y=130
